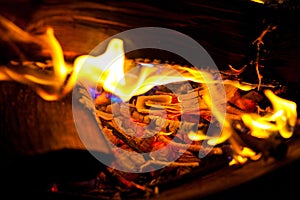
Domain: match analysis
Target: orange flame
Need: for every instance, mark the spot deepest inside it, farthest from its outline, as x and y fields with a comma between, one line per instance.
x=48, y=86
x=106, y=70
x=282, y=120
x=126, y=78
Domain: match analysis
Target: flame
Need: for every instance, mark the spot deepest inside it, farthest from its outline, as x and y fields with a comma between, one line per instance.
x=48, y=86
x=258, y=1
x=104, y=69
x=127, y=78
x=199, y=136
x=110, y=70
x=242, y=156
x=282, y=120
x=107, y=71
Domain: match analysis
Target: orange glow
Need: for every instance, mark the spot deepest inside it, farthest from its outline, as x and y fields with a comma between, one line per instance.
x=282, y=120
x=243, y=155
x=258, y=1
x=107, y=70
x=110, y=70
x=39, y=81
x=238, y=159
x=199, y=136
x=127, y=78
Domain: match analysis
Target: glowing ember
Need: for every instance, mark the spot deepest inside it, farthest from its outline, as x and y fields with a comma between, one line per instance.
x=125, y=79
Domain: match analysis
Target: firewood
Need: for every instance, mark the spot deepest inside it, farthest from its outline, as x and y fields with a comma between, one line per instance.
x=270, y=147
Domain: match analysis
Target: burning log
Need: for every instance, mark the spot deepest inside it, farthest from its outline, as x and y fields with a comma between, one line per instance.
x=273, y=146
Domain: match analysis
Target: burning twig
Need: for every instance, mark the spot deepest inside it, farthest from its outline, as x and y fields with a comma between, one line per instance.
x=234, y=72
x=259, y=41
x=161, y=124
x=104, y=115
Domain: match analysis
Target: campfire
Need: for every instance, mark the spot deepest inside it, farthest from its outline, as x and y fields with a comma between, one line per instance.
x=161, y=121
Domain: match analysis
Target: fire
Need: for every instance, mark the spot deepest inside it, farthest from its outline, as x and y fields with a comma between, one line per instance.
x=123, y=78
x=110, y=70
x=120, y=77
x=282, y=120
x=258, y=1
x=48, y=86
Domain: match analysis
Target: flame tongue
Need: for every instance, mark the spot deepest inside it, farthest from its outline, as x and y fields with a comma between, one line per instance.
x=282, y=119
x=127, y=78
x=50, y=86
x=106, y=70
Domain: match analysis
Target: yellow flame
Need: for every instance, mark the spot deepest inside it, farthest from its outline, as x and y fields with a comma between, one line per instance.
x=199, y=136
x=238, y=159
x=258, y=1
x=48, y=86
x=114, y=73
x=243, y=155
x=106, y=70
x=282, y=120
